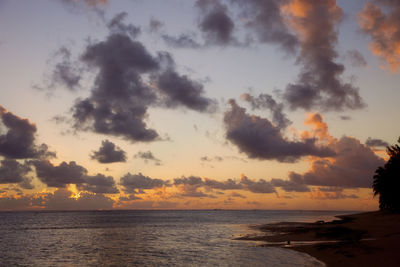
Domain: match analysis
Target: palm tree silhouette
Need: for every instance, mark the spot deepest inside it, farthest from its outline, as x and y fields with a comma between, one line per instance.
x=387, y=181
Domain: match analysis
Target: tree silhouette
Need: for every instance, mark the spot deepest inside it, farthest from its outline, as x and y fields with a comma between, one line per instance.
x=387, y=181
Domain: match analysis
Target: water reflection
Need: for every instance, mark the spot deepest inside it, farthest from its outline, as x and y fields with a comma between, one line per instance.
x=137, y=238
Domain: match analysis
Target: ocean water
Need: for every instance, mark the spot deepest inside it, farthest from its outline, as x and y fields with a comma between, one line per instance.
x=145, y=238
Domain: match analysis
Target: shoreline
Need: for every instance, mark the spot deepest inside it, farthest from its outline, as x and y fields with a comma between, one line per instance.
x=363, y=239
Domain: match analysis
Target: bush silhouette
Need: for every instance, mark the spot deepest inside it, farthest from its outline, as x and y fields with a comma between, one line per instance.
x=387, y=181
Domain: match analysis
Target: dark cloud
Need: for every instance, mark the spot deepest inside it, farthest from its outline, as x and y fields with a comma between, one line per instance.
x=128, y=198
x=215, y=22
x=61, y=200
x=99, y=184
x=259, y=138
x=122, y=94
x=345, y=118
x=209, y=159
x=380, y=19
x=148, y=156
x=265, y=101
x=61, y=175
x=261, y=186
x=13, y=172
x=190, y=187
x=191, y=180
x=228, y=184
x=294, y=184
x=15, y=203
x=235, y=194
x=356, y=58
x=66, y=72
x=266, y=20
x=19, y=140
x=136, y=183
x=193, y=183
x=109, y=153
x=117, y=26
x=182, y=41
x=155, y=25
x=374, y=142
x=319, y=84
x=352, y=167
x=181, y=91
x=118, y=102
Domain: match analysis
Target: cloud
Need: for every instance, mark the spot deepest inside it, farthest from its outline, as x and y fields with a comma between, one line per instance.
x=155, y=25
x=294, y=184
x=353, y=166
x=129, y=80
x=236, y=194
x=228, y=184
x=374, y=142
x=65, y=72
x=99, y=184
x=261, y=186
x=79, y=5
x=215, y=22
x=208, y=159
x=148, y=156
x=118, y=102
x=109, y=153
x=380, y=21
x=117, y=26
x=265, y=101
x=61, y=199
x=19, y=140
x=148, y=205
x=265, y=19
x=184, y=40
x=13, y=172
x=15, y=203
x=319, y=84
x=85, y=6
x=191, y=185
x=180, y=90
x=258, y=138
x=87, y=2
x=356, y=58
x=61, y=175
x=319, y=194
x=345, y=118
x=136, y=183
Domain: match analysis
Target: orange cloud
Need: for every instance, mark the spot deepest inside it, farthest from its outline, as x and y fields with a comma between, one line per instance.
x=319, y=127
x=384, y=30
x=301, y=12
x=325, y=195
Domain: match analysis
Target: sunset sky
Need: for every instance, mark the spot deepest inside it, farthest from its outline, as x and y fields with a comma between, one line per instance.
x=228, y=104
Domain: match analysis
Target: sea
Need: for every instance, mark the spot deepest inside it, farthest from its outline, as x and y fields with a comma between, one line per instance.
x=147, y=238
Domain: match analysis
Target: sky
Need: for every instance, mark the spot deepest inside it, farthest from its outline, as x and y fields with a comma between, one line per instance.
x=207, y=104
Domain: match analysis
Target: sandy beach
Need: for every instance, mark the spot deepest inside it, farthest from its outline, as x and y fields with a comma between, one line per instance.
x=365, y=239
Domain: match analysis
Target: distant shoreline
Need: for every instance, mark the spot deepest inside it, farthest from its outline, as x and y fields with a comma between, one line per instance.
x=363, y=239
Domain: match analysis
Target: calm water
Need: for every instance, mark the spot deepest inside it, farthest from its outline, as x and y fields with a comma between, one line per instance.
x=145, y=238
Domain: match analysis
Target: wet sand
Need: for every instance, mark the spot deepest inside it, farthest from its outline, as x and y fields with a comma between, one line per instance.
x=365, y=239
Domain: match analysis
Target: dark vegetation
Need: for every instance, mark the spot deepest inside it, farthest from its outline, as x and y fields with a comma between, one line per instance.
x=387, y=181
